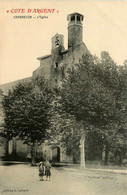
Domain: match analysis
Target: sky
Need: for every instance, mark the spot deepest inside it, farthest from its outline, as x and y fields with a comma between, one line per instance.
x=23, y=40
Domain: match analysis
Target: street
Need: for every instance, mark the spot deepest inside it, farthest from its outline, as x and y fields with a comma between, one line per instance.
x=23, y=179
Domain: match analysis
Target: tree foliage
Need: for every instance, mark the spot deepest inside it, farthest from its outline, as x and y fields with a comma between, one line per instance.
x=94, y=92
x=27, y=111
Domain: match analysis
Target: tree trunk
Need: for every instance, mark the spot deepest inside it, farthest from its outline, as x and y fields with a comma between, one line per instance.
x=6, y=148
x=106, y=154
x=120, y=158
x=82, y=151
x=33, y=156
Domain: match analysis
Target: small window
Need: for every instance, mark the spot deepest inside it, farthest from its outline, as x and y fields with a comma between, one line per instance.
x=78, y=18
x=56, y=64
x=73, y=18
x=57, y=41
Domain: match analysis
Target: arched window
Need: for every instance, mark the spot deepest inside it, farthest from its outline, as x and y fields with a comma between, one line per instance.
x=57, y=41
x=78, y=18
x=72, y=18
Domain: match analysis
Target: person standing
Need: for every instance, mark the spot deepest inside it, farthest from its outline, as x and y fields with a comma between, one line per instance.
x=47, y=170
x=41, y=169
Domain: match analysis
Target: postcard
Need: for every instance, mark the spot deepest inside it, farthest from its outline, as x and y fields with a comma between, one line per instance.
x=48, y=39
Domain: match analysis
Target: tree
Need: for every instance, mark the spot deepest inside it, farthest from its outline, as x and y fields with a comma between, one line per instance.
x=27, y=112
x=93, y=93
x=120, y=148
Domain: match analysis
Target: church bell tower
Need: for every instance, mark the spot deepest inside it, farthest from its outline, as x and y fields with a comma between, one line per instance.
x=75, y=29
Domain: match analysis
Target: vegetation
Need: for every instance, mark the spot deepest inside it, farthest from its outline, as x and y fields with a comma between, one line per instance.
x=94, y=92
x=27, y=112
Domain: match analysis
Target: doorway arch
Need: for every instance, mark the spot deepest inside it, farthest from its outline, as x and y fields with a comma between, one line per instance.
x=56, y=154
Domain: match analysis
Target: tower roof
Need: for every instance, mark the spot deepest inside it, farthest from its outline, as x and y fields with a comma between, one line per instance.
x=56, y=35
x=75, y=13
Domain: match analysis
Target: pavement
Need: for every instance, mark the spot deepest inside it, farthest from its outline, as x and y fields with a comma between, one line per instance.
x=21, y=178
